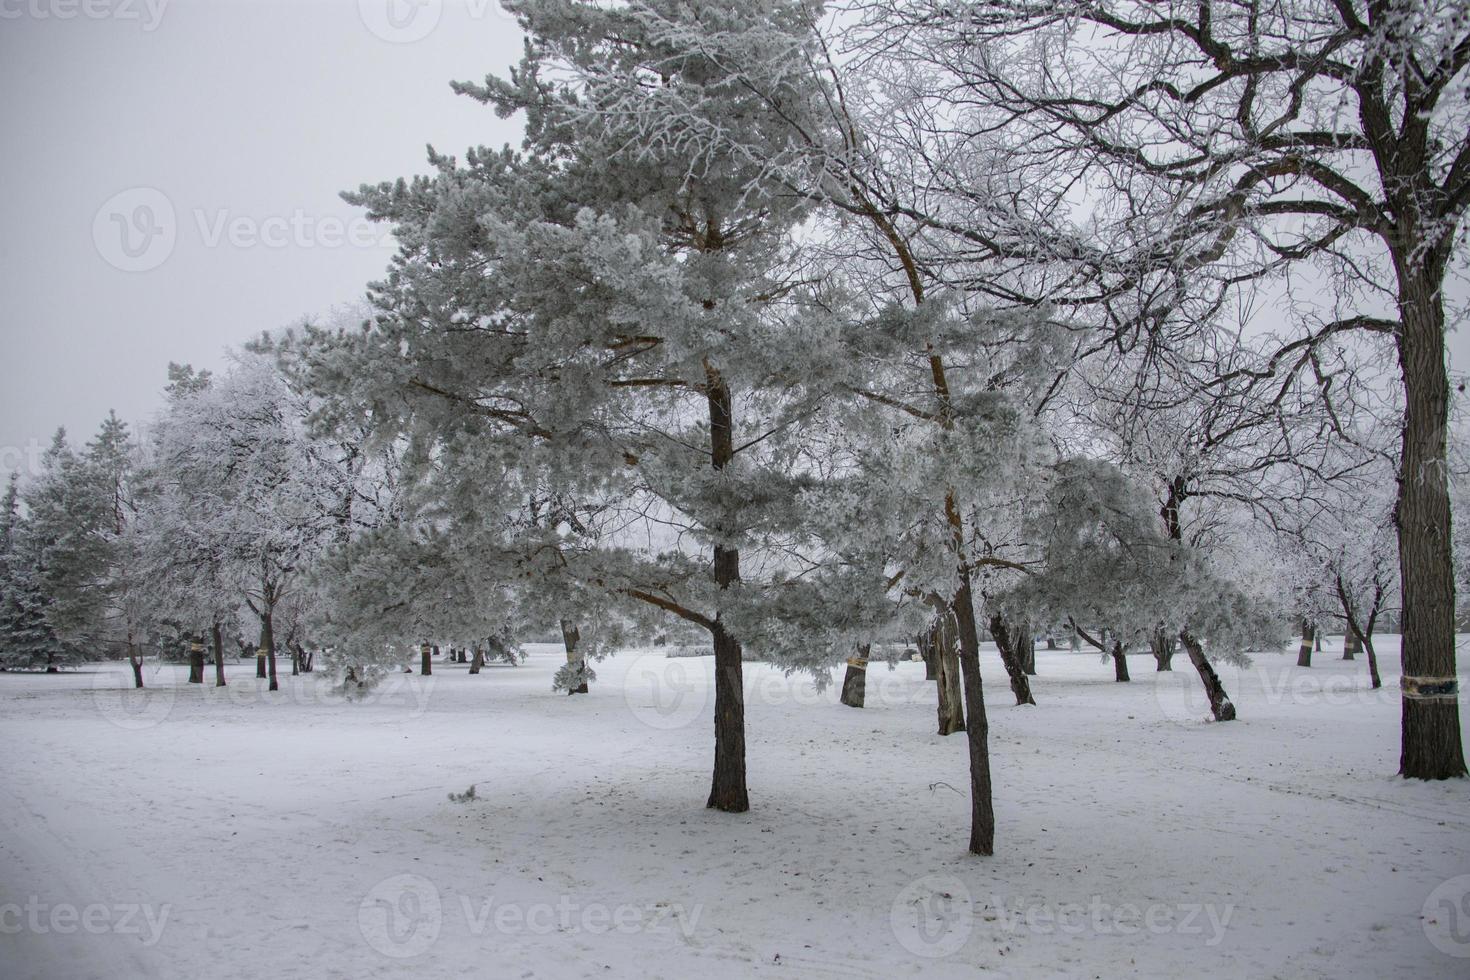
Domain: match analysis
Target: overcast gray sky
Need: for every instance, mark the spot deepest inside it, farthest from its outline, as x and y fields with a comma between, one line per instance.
x=244, y=118
x=170, y=175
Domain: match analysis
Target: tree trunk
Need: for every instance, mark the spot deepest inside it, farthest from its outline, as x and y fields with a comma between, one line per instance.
x=570, y=636
x=477, y=660
x=135, y=661
x=944, y=642
x=260, y=662
x=1163, y=651
x=727, y=788
x=426, y=659
x=982, y=812
x=217, y=637
x=1430, y=746
x=855, y=683
x=295, y=652
x=196, y=660
x=927, y=651
x=1304, y=652
x=1020, y=686
x=1351, y=645
x=1220, y=704
x=268, y=643
x=1377, y=681
x=1025, y=645
x=1120, y=663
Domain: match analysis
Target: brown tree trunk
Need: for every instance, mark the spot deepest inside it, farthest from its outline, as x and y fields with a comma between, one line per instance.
x=260, y=671
x=1376, y=680
x=727, y=786
x=426, y=659
x=570, y=636
x=1431, y=747
x=855, y=682
x=1020, y=686
x=982, y=812
x=478, y=659
x=1220, y=704
x=1351, y=645
x=1304, y=652
x=216, y=636
x=1120, y=663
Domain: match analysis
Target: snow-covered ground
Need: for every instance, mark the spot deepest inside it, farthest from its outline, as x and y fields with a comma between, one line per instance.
x=194, y=832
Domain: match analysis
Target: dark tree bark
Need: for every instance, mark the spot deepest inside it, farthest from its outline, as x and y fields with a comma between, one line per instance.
x=268, y=643
x=1020, y=686
x=196, y=660
x=216, y=636
x=135, y=661
x=477, y=660
x=1120, y=663
x=1220, y=704
x=426, y=659
x=1351, y=645
x=260, y=671
x=727, y=786
x=982, y=811
x=570, y=636
x=855, y=681
x=1430, y=746
x=1304, y=652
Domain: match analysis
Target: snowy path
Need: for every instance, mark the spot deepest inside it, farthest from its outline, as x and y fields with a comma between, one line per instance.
x=292, y=835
